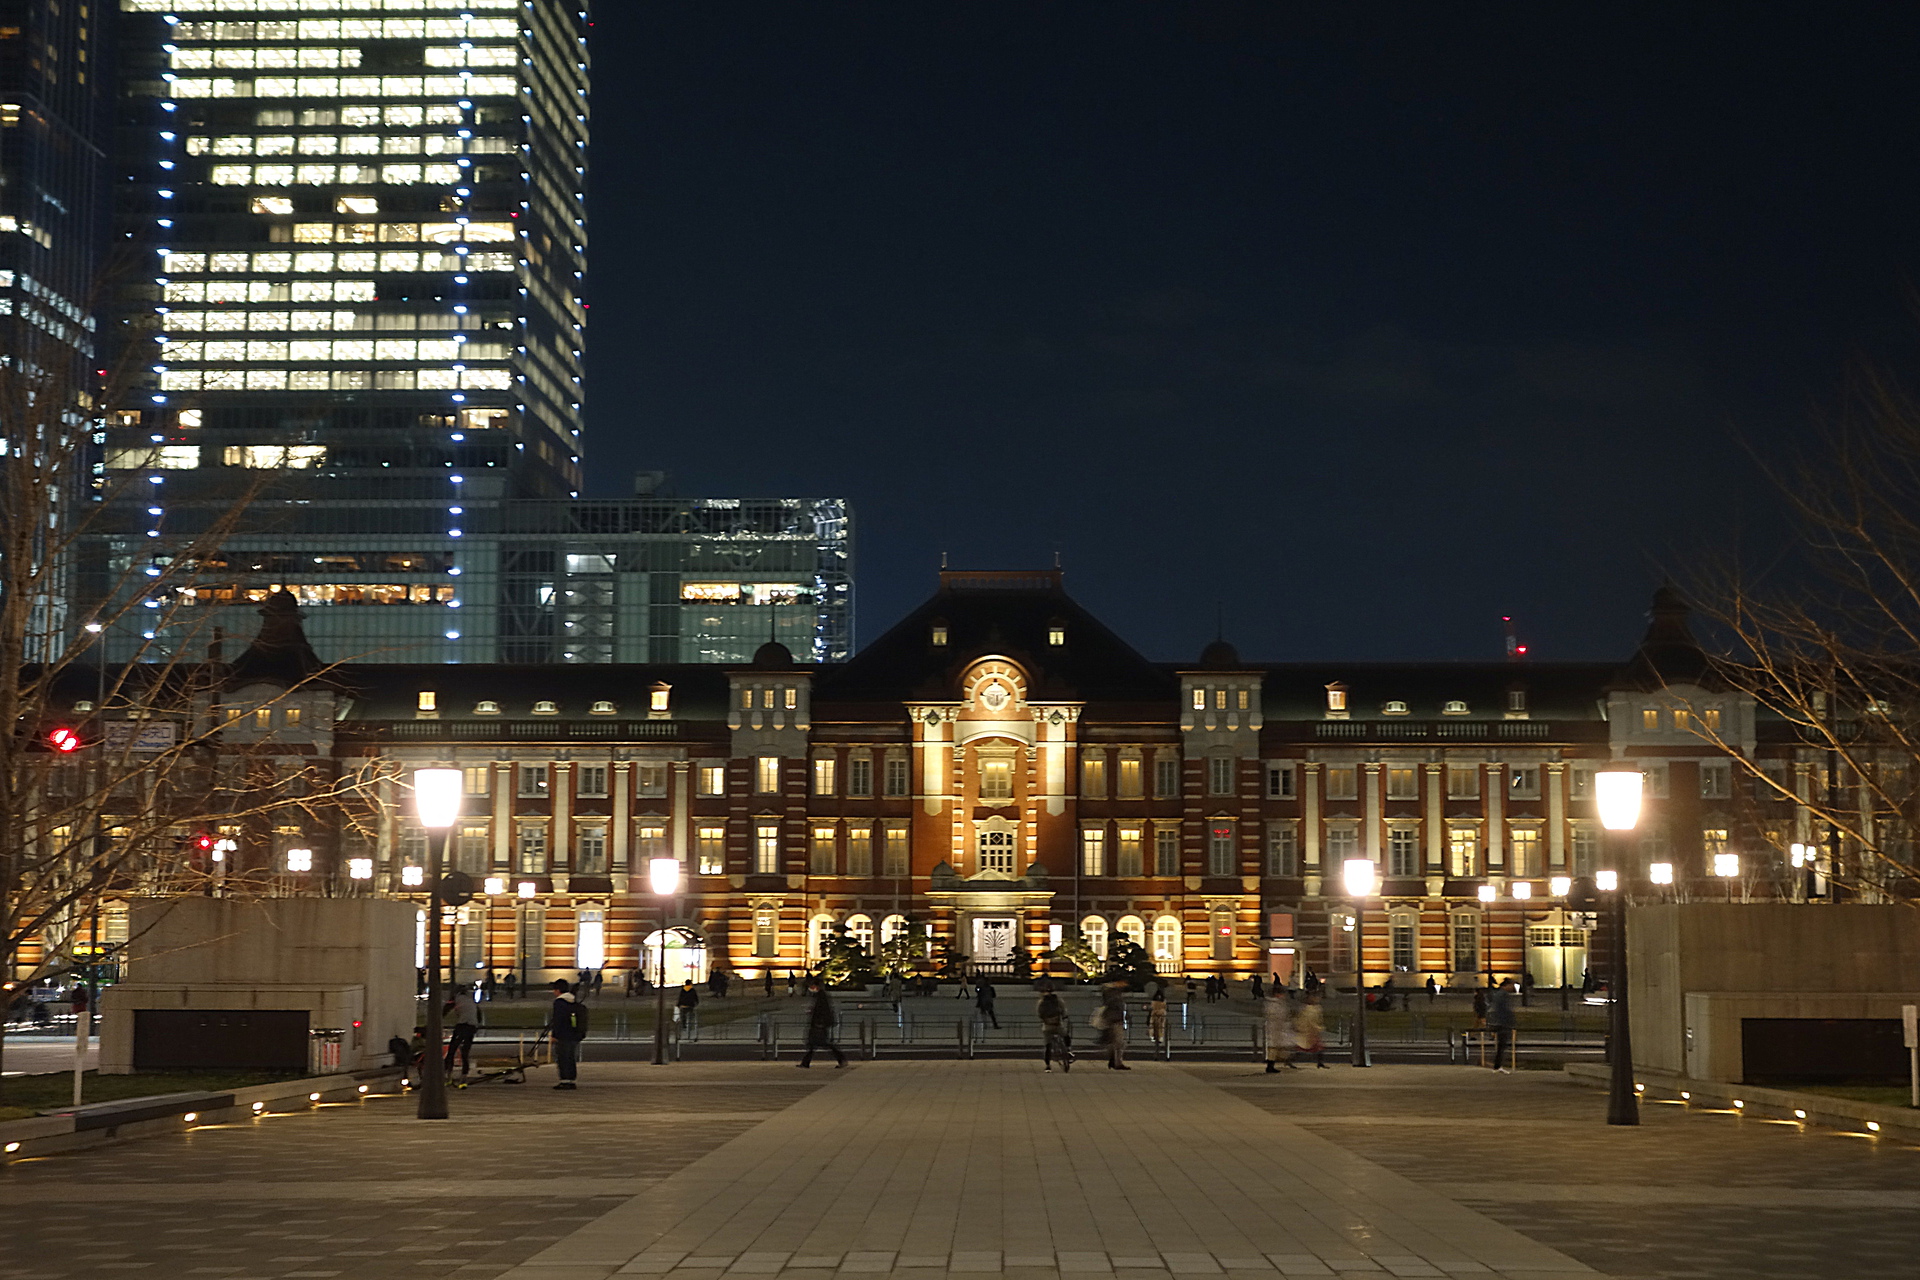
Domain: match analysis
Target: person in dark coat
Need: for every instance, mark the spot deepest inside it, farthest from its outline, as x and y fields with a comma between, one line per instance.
x=567, y=1024
x=1502, y=1020
x=821, y=1020
x=687, y=1006
x=984, y=996
x=1056, y=1037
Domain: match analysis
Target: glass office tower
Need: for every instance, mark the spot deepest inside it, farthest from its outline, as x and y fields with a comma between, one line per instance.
x=365, y=226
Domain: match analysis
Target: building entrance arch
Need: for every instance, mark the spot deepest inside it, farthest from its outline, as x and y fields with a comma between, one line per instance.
x=686, y=956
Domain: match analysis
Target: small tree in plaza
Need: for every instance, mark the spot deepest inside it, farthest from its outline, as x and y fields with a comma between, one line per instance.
x=1128, y=962
x=905, y=954
x=1074, y=949
x=842, y=959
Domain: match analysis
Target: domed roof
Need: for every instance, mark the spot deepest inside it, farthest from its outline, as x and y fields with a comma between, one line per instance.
x=1220, y=656
x=772, y=656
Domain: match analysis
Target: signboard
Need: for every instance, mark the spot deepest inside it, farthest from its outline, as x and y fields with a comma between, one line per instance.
x=141, y=736
x=1910, y=1025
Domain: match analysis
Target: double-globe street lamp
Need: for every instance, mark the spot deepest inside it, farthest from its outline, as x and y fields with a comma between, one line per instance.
x=1616, y=792
x=663, y=877
x=436, y=802
x=1360, y=877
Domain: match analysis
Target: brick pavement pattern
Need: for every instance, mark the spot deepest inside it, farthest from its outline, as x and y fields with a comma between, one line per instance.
x=930, y=1169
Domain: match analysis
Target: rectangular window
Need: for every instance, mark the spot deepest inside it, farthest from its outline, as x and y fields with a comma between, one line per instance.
x=1166, y=777
x=1403, y=782
x=1093, y=852
x=824, y=769
x=478, y=778
x=1128, y=784
x=1463, y=851
x=1656, y=783
x=473, y=852
x=1403, y=851
x=860, y=851
x=593, y=781
x=590, y=939
x=533, y=781
x=590, y=851
x=766, y=934
x=1340, y=942
x=650, y=842
x=895, y=852
x=766, y=849
x=1166, y=851
x=710, y=850
x=1220, y=770
x=1523, y=783
x=766, y=775
x=1466, y=944
x=996, y=779
x=1580, y=782
x=896, y=776
x=1343, y=782
x=1586, y=850
x=532, y=850
x=1656, y=845
x=1343, y=842
x=712, y=779
x=1682, y=720
x=1283, y=849
x=1463, y=782
x=1716, y=780
x=650, y=780
x=1711, y=719
x=1404, y=936
x=1713, y=840
x=1280, y=782
x=860, y=777
x=820, y=859
x=1222, y=858
x=1650, y=720
x=533, y=939
x=1523, y=852
x=1093, y=776
x=1129, y=861
x=413, y=846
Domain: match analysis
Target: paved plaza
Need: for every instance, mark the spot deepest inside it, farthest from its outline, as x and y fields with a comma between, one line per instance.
x=705, y=1171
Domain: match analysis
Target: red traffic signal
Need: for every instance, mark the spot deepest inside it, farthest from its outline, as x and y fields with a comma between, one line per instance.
x=203, y=842
x=64, y=740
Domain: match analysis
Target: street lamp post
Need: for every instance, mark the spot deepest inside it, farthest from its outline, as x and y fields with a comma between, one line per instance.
x=1616, y=792
x=1358, y=875
x=436, y=802
x=663, y=877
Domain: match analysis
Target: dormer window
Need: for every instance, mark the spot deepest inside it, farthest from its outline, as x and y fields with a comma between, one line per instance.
x=427, y=701
x=83, y=705
x=939, y=635
x=546, y=709
x=793, y=699
x=488, y=707
x=1056, y=634
x=1454, y=708
x=1393, y=709
x=660, y=699
x=1336, y=697
x=1516, y=699
x=1199, y=699
x=602, y=708
x=1246, y=699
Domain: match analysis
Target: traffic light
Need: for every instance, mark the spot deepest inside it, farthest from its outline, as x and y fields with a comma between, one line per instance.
x=63, y=740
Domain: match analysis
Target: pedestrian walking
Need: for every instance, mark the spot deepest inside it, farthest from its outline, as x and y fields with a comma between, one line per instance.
x=466, y=1025
x=1433, y=988
x=687, y=1009
x=1157, y=1018
x=966, y=986
x=1279, y=1027
x=1056, y=1035
x=1526, y=987
x=822, y=1018
x=1258, y=992
x=983, y=1001
x=1111, y=1020
x=1310, y=1029
x=790, y=981
x=1502, y=1020
x=567, y=1024
x=766, y=982
x=489, y=986
x=1479, y=1008
x=1190, y=989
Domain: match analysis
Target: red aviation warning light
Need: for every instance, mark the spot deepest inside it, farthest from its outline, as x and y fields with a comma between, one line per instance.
x=64, y=740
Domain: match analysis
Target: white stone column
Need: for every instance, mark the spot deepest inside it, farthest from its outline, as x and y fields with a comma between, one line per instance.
x=1310, y=826
x=680, y=806
x=560, y=793
x=1371, y=839
x=1557, y=817
x=622, y=812
x=1436, y=784
x=503, y=789
x=1496, y=820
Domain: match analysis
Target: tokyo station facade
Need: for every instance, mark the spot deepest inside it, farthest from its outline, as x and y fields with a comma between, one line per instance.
x=1002, y=769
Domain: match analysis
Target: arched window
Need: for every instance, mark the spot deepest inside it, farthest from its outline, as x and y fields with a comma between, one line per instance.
x=1222, y=926
x=1133, y=928
x=1094, y=930
x=861, y=927
x=818, y=930
x=891, y=927
x=766, y=933
x=1166, y=938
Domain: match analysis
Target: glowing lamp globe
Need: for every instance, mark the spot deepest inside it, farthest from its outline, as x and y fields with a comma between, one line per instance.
x=1358, y=876
x=1616, y=793
x=436, y=796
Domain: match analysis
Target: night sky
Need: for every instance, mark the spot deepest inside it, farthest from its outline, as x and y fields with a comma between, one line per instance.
x=1360, y=328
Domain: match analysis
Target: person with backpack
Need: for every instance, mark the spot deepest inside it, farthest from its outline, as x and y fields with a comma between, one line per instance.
x=1056, y=1037
x=567, y=1024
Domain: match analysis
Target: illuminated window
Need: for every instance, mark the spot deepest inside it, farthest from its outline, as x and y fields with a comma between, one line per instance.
x=1682, y=720
x=895, y=852
x=1093, y=775
x=1343, y=782
x=996, y=779
x=766, y=774
x=711, y=779
x=995, y=849
x=1094, y=930
x=1093, y=851
x=766, y=849
x=531, y=847
x=860, y=850
x=793, y=699
x=477, y=779
x=710, y=850
x=603, y=708
x=1336, y=697
x=263, y=718
x=1166, y=939
x=1454, y=707
x=1127, y=852
x=823, y=850
x=659, y=699
x=1650, y=719
x=1463, y=851
x=427, y=701
x=1057, y=634
x=1463, y=781
x=1129, y=784
x=1523, y=852
x=1710, y=718
x=824, y=769
x=939, y=635
x=1199, y=699
x=1403, y=782
x=1393, y=709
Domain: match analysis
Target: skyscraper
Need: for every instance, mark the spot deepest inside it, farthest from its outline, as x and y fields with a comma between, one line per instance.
x=366, y=224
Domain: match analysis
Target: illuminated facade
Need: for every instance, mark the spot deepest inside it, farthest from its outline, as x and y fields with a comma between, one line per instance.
x=1002, y=769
